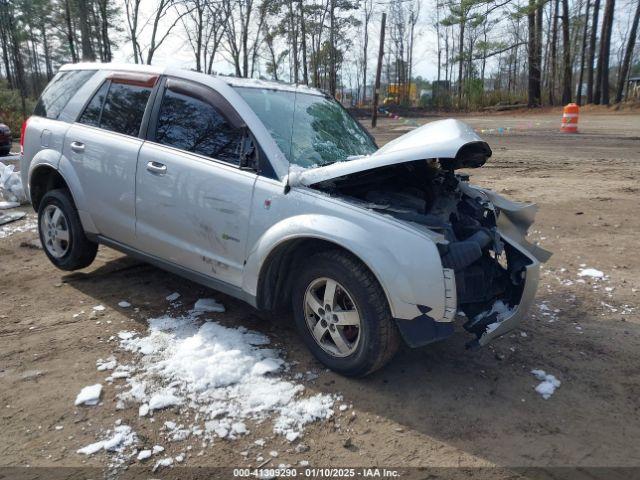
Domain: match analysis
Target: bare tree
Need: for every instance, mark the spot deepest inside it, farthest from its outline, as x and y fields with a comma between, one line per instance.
x=626, y=62
x=88, y=54
x=601, y=93
x=132, y=8
x=582, y=55
x=367, y=11
x=566, y=54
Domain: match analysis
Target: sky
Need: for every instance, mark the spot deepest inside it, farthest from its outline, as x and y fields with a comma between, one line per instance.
x=176, y=51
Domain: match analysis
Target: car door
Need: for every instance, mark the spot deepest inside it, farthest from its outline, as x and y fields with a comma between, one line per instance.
x=103, y=145
x=192, y=198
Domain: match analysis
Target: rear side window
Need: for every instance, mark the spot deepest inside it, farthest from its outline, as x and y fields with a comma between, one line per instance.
x=193, y=125
x=117, y=107
x=91, y=114
x=59, y=91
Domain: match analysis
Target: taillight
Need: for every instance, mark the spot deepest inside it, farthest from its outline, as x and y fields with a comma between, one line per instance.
x=22, y=130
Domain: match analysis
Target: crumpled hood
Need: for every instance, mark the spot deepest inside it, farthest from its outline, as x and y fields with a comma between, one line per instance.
x=451, y=141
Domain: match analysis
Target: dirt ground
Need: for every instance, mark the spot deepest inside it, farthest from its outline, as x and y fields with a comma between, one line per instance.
x=439, y=406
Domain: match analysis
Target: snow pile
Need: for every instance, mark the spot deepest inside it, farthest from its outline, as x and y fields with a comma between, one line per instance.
x=119, y=439
x=590, y=272
x=11, y=185
x=89, y=395
x=226, y=374
x=548, y=384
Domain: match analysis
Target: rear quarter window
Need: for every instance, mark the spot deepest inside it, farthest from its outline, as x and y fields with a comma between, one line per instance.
x=59, y=91
x=117, y=107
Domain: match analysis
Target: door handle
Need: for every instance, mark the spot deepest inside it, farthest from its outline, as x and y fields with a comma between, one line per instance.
x=77, y=147
x=157, y=168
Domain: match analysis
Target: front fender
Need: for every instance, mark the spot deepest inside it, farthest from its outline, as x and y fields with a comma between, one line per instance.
x=406, y=264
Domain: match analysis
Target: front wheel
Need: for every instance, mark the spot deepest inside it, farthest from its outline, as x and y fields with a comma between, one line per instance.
x=342, y=314
x=61, y=232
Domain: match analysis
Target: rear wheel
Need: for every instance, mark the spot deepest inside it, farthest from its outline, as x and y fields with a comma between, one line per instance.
x=61, y=233
x=343, y=316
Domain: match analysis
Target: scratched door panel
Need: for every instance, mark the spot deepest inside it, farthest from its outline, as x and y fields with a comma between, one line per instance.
x=195, y=213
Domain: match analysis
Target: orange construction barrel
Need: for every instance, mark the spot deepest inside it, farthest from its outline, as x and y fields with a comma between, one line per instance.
x=570, y=119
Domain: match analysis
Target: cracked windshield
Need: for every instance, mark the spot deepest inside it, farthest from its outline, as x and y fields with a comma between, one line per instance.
x=323, y=132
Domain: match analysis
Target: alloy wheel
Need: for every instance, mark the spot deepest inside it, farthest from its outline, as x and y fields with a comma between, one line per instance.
x=332, y=317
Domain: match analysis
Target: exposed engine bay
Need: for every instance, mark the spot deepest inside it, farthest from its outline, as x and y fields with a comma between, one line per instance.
x=489, y=272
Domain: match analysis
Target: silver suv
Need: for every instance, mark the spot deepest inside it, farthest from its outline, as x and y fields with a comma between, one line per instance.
x=275, y=195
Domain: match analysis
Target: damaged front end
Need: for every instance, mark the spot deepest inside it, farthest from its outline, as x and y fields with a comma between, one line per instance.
x=480, y=235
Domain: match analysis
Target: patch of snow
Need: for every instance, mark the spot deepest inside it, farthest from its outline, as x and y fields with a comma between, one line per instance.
x=126, y=335
x=89, y=395
x=501, y=309
x=144, y=454
x=548, y=384
x=121, y=437
x=165, y=462
x=99, y=308
x=208, y=305
x=108, y=364
x=173, y=297
x=590, y=272
x=143, y=410
x=163, y=399
x=7, y=205
x=157, y=449
x=124, y=304
x=27, y=224
x=227, y=375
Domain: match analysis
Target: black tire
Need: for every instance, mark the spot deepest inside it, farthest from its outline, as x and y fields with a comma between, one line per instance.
x=81, y=251
x=379, y=337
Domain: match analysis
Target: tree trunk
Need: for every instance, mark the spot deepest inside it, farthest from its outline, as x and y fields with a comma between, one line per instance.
x=538, y=52
x=602, y=75
x=15, y=53
x=70, y=36
x=566, y=54
x=553, y=76
x=533, y=100
x=104, y=30
x=5, y=49
x=582, y=55
x=592, y=50
x=199, y=27
x=332, y=52
x=294, y=41
x=85, y=32
x=461, y=55
x=628, y=55
x=303, y=33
